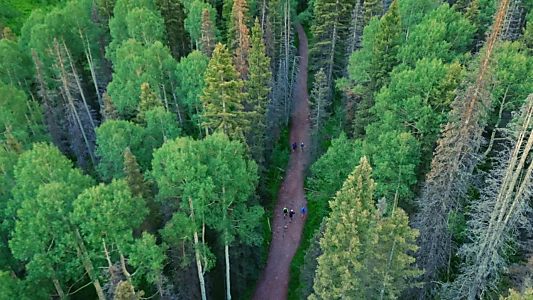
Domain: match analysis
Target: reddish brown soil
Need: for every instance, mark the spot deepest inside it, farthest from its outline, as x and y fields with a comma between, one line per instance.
x=274, y=280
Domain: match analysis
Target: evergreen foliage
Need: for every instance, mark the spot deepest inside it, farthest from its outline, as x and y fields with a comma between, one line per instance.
x=222, y=97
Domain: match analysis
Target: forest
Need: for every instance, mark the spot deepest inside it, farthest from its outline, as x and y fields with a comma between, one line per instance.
x=143, y=144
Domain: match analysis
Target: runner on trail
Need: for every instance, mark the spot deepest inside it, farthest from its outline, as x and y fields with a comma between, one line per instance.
x=291, y=213
x=285, y=211
x=302, y=146
x=303, y=212
x=294, y=147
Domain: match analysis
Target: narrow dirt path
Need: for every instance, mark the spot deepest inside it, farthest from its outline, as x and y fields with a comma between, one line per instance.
x=274, y=281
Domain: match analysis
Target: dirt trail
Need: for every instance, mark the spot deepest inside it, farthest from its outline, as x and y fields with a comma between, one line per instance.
x=274, y=280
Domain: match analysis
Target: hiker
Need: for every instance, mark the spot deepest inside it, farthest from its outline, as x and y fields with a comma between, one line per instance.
x=294, y=147
x=291, y=213
x=302, y=146
x=285, y=211
x=303, y=212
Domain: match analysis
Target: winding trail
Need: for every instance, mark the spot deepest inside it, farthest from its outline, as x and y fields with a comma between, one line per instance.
x=274, y=281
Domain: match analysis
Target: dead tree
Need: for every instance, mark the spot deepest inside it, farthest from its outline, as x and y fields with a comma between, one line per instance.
x=500, y=211
x=453, y=163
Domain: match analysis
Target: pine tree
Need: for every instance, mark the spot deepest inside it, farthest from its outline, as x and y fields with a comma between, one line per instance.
x=208, y=34
x=258, y=87
x=135, y=179
x=386, y=47
x=371, y=9
x=308, y=270
x=110, y=110
x=365, y=256
x=330, y=28
x=239, y=36
x=173, y=14
x=348, y=235
x=320, y=103
x=149, y=100
x=222, y=96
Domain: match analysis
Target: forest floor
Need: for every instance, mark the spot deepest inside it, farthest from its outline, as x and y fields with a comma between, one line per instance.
x=286, y=234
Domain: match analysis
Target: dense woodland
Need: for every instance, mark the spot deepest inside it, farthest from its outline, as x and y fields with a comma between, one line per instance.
x=142, y=144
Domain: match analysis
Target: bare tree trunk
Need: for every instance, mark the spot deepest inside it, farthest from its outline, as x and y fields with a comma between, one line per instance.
x=197, y=254
x=78, y=83
x=71, y=101
x=87, y=264
x=89, y=57
x=58, y=288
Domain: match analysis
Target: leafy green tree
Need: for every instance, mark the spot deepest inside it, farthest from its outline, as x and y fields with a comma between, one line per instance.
x=443, y=34
x=193, y=22
x=15, y=65
x=108, y=214
x=222, y=96
x=50, y=250
x=145, y=25
x=190, y=77
x=258, y=87
x=412, y=12
x=149, y=100
x=112, y=139
x=161, y=126
x=234, y=179
x=138, y=64
x=149, y=260
x=308, y=270
x=184, y=185
x=364, y=254
x=19, y=117
x=118, y=25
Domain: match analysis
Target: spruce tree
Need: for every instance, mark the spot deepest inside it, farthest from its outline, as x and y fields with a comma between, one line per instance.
x=371, y=9
x=386, y=47
x=110, y=110
x=348, y=233
x=173, y=14
x=258, y=87
x=239, y=36
x=330, y=27
x=365, y=256
x=149, y=100
x=208, y=34
x=135, y=179
x=222, y=96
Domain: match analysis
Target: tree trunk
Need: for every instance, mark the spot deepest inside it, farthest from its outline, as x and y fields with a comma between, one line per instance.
x=197, y=255
x=59, y=290
x=71, y=102
x=228, y=286
x=89, y=56
x=78, y=83
x=87, y=264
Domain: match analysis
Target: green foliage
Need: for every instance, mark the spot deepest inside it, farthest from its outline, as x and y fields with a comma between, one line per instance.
x=112, y=139
x=108, y=212
x=161, y=126
x=139, y=64
x=173, y=13
x=16, y=67
x=190, y=78
x=148, y=258
x=443, y=34
x=20, y=117
x=258, y=86
x=222, y=96
x=365, y=255
x=145, y=25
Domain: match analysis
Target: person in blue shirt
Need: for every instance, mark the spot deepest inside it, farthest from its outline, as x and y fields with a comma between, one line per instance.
x=303, y=212
x=294, y=147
